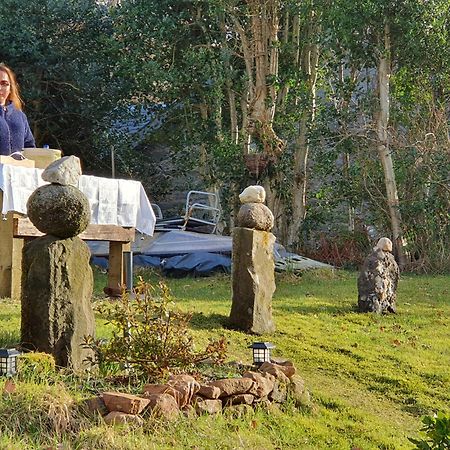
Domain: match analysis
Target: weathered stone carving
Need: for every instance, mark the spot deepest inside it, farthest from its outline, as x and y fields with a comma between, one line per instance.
x=377, y=281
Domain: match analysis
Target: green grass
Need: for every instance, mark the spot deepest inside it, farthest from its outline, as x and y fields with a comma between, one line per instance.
x=371, y=377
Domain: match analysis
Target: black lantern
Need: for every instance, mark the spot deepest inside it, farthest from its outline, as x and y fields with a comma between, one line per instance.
x=261, y=352
x=8, y=361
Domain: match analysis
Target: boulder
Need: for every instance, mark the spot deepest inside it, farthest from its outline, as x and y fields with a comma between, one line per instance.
x=264, y=383
x=61, y=211
x=253, y=194
x=95, y=405
x=298, y=391
x=211, y=392
x=377, y=281
x=233, y=386
x=56, y=299
x=279, y=392
x=65, y=171
x=164, y=406
x=238, y=399
x=126, y=403
x=275, y=370
x=256, y=216
x=207, y=406
x=253, y=281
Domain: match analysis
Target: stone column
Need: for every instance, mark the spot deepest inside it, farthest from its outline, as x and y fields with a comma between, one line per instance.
x=57, y=279
x=253, y=266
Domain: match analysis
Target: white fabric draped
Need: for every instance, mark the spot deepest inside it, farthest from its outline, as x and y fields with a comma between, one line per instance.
x=112, y=201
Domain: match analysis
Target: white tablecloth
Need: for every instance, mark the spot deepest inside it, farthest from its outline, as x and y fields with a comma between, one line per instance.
x=113, y=201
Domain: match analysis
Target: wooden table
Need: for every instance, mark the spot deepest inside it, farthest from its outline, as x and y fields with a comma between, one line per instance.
x=16, y=229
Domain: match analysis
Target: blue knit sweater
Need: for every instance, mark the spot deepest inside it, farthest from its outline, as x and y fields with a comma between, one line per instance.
x=15, y=132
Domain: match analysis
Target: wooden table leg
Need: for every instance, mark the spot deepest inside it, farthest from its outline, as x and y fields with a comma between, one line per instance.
x=116, y=272
x=6, y=254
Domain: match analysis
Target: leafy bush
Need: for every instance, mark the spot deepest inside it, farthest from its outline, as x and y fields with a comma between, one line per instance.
x=437, y=432
x=150, y=335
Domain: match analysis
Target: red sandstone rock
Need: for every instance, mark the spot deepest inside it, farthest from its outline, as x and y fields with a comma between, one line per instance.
x=163, y=405
x=275, y=370
x=211, y=392
x=127, y=403
x=264, y=383
x=233, y=386
x=208, y=406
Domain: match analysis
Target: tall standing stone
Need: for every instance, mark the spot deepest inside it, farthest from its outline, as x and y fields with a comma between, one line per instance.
x=253, y=269
x=57, y=287
x=57, y=280
x=378, y=279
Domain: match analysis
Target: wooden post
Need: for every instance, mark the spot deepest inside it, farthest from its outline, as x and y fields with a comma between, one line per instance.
x=116, y=272
x=6, y=250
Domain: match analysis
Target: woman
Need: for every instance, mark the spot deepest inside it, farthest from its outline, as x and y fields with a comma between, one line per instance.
x=15, y=132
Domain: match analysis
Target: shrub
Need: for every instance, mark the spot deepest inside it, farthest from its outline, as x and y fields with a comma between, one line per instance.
x=437, y=433
x=150, y=336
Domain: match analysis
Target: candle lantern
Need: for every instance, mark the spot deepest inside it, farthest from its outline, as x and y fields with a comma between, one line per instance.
x=261, y=352
x=8, y=361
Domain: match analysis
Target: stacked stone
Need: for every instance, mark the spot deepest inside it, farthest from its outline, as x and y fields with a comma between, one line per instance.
x=253, y=268
x=378, y=279
x=57, y=279
x=182, y=394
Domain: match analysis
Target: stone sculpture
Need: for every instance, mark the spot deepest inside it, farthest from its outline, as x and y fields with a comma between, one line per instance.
x=377, y=281
x=57, y=279
x=253, y=265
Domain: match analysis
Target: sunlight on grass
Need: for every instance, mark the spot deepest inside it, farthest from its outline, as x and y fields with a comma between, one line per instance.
x=371, y=377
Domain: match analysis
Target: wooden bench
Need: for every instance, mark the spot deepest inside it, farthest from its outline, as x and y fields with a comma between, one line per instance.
x=16, y=229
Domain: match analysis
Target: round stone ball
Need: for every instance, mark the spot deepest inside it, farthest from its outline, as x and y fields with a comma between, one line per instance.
x=62, y=211
x=256, y=216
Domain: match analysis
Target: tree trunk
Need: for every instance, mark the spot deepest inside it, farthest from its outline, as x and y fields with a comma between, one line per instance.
x=384, y=153
x=298, y=206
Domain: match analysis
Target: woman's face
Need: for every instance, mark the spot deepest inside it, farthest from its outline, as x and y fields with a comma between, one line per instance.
x=5, y=87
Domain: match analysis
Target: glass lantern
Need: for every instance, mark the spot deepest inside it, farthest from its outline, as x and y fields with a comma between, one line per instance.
x=8, y=361
x=261, y=352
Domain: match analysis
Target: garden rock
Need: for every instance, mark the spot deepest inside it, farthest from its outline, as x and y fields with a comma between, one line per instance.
x=61, y=211
x=56, y=310
x=96, y=405
x=238, y=399
x=253, y=194
x=65, y=171
x=164, y=406
x=211, y=392
x=126, y=403
x=233, y=386
x=208, y=406
x=297, y=390
x=264, y=383
x=256, y=216
x=253, y=281
x=120, y=418
x=275, y=370
x=378, y=279
x=279, y=392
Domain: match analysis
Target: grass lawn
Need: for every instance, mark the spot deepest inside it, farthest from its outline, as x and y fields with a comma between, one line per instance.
x=371, y=378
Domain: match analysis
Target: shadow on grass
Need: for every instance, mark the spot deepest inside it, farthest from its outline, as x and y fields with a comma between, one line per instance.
x=335, y=310
x=200, y=321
